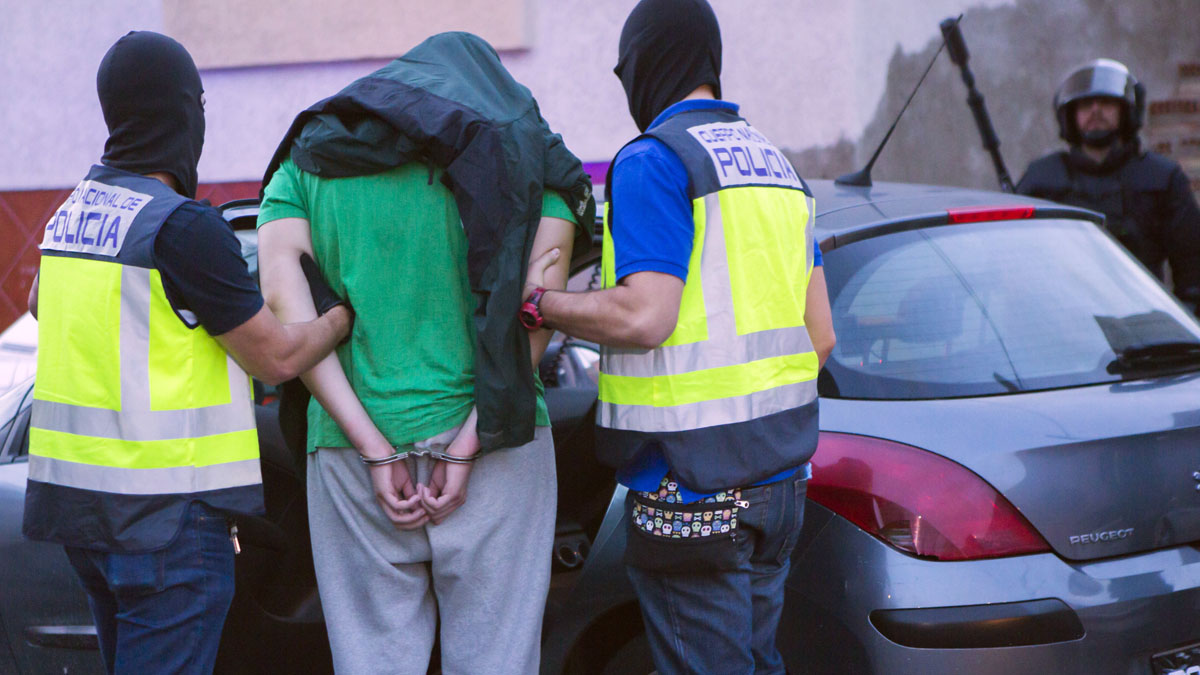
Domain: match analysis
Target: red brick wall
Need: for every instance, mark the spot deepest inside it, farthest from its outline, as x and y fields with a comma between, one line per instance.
x=23, y=214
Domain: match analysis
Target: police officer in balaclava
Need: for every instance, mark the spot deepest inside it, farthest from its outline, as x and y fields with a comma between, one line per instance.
x=143, y=448
x=1145, y=197
x=701, y=197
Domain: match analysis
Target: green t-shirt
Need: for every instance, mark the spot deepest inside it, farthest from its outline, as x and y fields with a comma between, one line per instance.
x=392, y=243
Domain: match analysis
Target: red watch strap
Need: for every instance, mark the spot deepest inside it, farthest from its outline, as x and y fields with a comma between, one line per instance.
x=530, y=313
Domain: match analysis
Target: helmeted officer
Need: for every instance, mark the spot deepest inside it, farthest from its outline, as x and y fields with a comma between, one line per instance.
x=1146, y=198
x=142, y=440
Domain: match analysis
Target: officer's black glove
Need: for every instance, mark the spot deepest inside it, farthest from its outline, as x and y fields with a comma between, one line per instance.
x=323, y=296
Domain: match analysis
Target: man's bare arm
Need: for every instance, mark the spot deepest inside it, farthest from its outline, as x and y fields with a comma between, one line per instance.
x=281, y=242
x=553, y=233
x=272, y=351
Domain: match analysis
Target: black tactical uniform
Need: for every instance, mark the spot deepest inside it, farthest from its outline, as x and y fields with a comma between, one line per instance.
x=1146, y=198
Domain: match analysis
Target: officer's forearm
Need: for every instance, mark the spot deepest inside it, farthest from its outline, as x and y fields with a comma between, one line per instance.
x=1183, y=238
x=311, y=341
x=274, y=352
x=617, y=317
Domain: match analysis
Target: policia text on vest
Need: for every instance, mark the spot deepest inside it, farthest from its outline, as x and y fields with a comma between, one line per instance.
x=743, y=156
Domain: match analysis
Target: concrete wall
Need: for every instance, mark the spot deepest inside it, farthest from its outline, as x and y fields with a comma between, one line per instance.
x=807, y=72
x=234, y=33
x=822, y=79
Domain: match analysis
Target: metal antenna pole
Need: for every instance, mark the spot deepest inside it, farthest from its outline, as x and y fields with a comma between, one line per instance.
x=957, y=48
x=862, y=178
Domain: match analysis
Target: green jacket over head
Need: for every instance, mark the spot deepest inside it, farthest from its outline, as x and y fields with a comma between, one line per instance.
x=450, y=102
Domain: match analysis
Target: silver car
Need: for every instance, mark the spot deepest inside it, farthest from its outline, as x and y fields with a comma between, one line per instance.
x=1008, y=474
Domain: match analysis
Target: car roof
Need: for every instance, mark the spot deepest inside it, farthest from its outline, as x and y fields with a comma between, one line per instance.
x=848, y=213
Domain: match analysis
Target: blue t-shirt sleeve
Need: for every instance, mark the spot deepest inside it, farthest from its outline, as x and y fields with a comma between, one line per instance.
x=203, y=270
x=818, y=261
x=651, y=226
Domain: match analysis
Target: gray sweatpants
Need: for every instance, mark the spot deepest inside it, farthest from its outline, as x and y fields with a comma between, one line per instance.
x=484, y=571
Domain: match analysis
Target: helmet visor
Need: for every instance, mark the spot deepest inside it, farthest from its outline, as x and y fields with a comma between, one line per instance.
x=1096, y=80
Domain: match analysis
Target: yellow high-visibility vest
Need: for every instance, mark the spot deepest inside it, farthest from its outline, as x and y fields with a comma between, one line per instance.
x=135, y=412
x=730, y=397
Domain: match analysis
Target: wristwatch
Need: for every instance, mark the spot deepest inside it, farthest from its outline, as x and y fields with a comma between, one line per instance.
x=531, y=311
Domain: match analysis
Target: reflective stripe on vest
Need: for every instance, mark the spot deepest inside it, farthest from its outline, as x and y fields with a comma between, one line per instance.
x=740, y=350
x=136, y=403
x=185, y=479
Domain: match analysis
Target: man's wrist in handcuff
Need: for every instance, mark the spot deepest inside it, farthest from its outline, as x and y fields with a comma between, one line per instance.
x=399, y=455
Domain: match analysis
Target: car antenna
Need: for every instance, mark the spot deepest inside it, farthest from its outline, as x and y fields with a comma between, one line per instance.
x=957, y=47
x=863, y=178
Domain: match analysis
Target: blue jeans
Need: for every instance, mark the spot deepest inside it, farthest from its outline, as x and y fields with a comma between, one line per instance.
x=724, y=622
x=162, y=612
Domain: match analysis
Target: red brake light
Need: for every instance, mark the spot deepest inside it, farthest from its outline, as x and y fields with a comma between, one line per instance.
x=917, y=501
x=978, y=214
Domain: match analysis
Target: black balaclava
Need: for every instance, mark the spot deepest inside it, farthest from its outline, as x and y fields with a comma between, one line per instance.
x=150, y=93
x=667, y=49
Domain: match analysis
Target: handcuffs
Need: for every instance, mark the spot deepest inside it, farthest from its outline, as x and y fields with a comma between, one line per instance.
x=425, y=452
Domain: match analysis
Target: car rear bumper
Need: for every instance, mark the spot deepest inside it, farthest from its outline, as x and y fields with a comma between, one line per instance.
x=848, y=594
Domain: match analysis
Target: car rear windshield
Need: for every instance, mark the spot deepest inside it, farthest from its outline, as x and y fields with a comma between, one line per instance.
x=991, y=308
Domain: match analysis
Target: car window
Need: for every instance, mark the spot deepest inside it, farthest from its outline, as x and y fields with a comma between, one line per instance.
x=989, y=308
x=14, y=421
x=249, y=242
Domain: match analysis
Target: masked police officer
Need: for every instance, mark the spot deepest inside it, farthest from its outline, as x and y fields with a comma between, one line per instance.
x=714, y=322
x=142, y=441
x=1145, y=197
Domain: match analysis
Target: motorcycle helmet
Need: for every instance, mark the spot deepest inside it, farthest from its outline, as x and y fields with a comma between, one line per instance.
x=1100, y=78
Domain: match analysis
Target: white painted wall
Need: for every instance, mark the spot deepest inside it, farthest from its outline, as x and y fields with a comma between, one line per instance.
x=807, y=73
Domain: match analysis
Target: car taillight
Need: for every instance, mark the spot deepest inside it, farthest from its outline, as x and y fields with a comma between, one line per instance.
x=979, y=214
x=919, y=502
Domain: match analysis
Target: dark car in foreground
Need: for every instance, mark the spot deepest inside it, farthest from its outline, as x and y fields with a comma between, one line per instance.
x=1008, y=477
